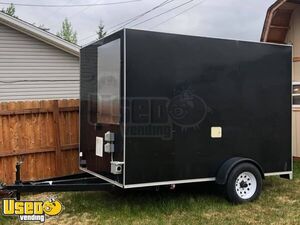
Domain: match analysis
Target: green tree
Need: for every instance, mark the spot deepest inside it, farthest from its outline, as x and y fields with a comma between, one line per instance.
x=67, y=32
x=10, y=10
x=100, y=32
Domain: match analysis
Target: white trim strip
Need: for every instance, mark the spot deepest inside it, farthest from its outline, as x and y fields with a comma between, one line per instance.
x=102, y=177
x=211, y=37
x=278, y=173
x=124, y=110
x=170, y=182
x=218, y=38
x=151, y=184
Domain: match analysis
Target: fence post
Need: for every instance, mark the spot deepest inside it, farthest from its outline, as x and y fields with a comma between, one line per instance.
x=58, y=157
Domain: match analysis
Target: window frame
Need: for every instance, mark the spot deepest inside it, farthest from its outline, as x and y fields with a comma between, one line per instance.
x=293, y=95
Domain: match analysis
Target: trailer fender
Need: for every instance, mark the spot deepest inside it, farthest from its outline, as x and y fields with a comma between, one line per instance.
x=227, y=167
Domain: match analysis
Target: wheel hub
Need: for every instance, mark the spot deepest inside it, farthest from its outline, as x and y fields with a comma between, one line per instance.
x=245, y=185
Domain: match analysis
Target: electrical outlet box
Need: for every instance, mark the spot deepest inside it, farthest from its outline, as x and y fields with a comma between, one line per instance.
x=116, y=167
x=109, y=136
x=109, y=148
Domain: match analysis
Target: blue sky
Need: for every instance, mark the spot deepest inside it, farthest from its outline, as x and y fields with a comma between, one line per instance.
x=233, y=19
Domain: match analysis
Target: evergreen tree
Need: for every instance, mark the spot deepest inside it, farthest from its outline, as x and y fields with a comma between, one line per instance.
x=10, y=10
x=67, y=32
x=100, y=32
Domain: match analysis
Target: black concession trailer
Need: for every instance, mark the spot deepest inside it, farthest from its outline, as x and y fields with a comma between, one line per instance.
x=164, y=109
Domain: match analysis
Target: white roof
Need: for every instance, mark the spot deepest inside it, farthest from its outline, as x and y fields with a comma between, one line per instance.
x=40, y=34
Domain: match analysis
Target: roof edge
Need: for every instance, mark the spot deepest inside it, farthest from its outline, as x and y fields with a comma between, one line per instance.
x=40, y=34
x=268, y=19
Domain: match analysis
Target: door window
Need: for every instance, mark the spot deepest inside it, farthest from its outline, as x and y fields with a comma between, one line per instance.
x=109, y=74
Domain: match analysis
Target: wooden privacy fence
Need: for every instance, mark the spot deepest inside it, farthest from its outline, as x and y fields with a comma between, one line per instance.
x=42, y=134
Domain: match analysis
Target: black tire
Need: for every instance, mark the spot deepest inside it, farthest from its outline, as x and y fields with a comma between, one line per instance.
x=238, y=187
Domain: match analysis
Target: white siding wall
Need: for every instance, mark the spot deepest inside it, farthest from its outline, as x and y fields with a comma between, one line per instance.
x=293, y=37
x=31, y=69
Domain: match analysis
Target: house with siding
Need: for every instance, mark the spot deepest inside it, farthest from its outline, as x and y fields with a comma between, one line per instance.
x=35, y=64
x=282, y=25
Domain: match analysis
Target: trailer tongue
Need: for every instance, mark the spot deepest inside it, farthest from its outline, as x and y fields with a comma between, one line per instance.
x=77, y=182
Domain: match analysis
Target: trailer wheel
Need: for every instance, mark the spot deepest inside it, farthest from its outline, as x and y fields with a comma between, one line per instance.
x=244, y=183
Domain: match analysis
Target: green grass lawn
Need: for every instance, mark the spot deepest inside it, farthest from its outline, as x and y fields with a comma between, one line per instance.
x=188, y=204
